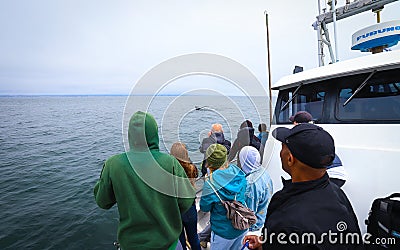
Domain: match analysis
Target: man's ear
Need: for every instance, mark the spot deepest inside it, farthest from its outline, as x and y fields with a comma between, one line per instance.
x=291, y=160
x=209, y=133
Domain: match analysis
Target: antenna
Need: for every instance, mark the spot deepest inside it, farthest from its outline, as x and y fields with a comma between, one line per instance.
x=350, y=9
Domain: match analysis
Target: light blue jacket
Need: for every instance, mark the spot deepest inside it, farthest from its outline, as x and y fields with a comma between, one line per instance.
x=259, y=185
x=263, y=136
x=229, y=183
x=258, y=194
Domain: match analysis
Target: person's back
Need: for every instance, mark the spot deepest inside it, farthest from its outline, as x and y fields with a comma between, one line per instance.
x=311, y=208
x=179, y=151
x=259, y=187
x=245, y=137
x=263, y=133
x=216, y=135
x=189, y=218
x=230, y=183
x=143, y=182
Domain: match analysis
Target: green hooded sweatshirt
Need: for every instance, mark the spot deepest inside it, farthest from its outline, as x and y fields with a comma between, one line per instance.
x=150, y=188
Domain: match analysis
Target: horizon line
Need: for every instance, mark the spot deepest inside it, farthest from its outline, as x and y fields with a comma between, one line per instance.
x=37, y=95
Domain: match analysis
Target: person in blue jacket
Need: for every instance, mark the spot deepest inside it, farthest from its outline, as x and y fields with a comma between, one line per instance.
x=259, y=186
x=263, y=133
x=230, y=183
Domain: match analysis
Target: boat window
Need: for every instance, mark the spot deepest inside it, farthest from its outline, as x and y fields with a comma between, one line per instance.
x=379, y=100
x=362, y=85
x=293, y=95
x=309, y=98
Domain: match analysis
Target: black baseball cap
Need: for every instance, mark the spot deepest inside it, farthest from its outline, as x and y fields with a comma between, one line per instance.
x=309, y=143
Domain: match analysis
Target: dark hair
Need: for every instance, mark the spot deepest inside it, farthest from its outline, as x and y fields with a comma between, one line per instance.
x=246, y=123
x=262, y=127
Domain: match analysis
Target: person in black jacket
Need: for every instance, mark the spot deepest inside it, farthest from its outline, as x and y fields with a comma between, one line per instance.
x=309, y=212
x=245, y=137
x=216, y=135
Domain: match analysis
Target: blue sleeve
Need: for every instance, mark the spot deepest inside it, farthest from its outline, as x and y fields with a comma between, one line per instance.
x=264, y=200
x=250, y=198
x=269, y=192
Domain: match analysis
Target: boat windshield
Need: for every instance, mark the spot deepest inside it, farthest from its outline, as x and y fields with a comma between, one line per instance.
x=379, y=100
x=362, y=85
x=376, y=100
x=293, y=95
x=309, y=97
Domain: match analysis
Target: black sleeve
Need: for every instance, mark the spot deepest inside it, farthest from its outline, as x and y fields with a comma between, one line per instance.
x=234, y=150
x=204, y=145
x=227, y=145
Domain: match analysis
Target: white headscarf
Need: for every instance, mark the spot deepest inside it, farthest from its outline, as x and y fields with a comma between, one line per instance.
x=249, y=158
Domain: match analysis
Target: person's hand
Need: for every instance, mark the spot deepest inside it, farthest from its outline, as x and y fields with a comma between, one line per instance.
x=253, y=240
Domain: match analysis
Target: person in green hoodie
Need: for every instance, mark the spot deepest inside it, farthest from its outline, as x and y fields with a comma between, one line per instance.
x=150, y=187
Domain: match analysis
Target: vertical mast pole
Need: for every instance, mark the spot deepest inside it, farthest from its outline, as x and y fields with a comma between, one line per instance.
x=317, y=27
x=269, y=70
x=334, y=30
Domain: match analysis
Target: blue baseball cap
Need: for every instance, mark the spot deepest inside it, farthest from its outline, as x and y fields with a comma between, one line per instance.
x=309, y=143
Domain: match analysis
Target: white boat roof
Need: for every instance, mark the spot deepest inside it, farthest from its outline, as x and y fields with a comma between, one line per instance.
x=380, y=61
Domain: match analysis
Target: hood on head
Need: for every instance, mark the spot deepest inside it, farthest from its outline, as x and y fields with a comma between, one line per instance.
x=244, y=135
x=246, y=123
x=231, y=181
x=218, y=137
x=143, y=132
x=249, y=158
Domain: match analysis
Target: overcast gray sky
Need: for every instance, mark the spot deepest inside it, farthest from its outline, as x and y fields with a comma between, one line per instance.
x=105, y=47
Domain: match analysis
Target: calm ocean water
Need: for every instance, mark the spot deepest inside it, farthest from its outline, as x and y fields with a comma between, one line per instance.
x=51, y=153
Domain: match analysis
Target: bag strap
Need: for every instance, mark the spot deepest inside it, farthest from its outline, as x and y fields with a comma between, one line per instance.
x=213, y=188
x=211, y=185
